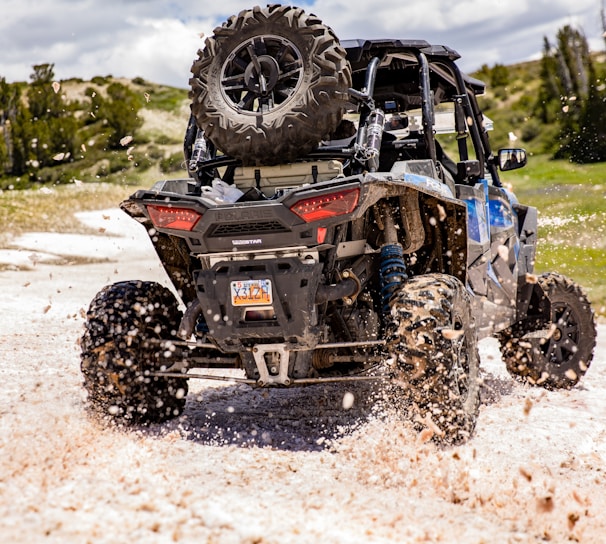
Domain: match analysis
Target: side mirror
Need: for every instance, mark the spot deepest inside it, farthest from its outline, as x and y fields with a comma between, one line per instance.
x=510, y=159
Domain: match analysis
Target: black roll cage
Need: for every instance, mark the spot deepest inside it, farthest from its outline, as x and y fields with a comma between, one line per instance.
x=438, y=79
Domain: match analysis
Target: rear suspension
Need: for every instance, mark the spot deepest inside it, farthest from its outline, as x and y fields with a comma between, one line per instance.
x=392, y=272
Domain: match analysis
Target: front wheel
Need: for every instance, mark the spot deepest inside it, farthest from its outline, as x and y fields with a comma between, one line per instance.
x=433, y=342
x=126, y=325
x=558, y=355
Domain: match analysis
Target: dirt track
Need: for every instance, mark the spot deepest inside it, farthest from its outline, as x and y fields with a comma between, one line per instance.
x=252, y=466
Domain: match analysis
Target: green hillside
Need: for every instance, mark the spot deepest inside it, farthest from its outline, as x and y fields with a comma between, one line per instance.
x=151, y=148
x=571, y=198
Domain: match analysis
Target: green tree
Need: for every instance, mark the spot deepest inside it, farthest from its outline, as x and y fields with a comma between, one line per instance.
x=573, y=61
x=499, y=76
x=21, y=130
x=120, y=110
x=7, y=112
x=548, y=105
x=588, y=144
x=44, y=102
x=96, y=103
x=53, y=131
x=569, y=94
x=15, y=122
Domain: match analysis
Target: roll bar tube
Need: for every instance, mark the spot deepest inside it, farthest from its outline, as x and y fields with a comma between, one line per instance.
x=478, y=134
x=365, y=97
x=427, y=104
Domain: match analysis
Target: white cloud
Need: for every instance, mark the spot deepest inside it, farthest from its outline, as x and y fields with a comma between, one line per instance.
x=159, y=50
x=483, y=31
x=158, y=40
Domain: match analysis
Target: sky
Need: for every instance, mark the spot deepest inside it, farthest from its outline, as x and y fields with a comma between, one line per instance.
x=158, y=39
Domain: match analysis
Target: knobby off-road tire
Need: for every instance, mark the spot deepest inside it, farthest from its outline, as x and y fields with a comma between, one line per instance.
x=560, y=357
x=269, y=85
x=432, y=338
x=120, y=348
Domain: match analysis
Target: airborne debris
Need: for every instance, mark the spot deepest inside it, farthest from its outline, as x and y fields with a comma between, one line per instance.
x=383, y=483
x=452, y=334
x=531, y=278
x=126, y=140
x=526, y=474
x=573, y=517
x=545, y=504
x=348, y=400
x=503, y=252
x=527, y=406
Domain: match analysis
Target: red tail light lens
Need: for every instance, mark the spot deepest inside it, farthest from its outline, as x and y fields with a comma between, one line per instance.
x=165, y=217
x=327, y=206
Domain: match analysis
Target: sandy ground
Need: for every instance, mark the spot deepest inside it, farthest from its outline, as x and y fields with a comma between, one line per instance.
x=250, y=466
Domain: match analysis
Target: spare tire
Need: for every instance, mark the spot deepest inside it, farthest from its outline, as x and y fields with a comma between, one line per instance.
x=269, y=85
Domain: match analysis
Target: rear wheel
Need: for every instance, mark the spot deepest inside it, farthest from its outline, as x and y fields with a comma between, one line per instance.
x=559, y=354
x=121, y=347
x=433, y=341
x=270, y=84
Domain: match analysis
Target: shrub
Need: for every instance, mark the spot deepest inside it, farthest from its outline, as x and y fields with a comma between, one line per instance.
x=174, y=163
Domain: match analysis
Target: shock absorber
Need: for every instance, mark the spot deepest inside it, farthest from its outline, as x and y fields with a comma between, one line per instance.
x=392, y=272
x=198, y=152
x=374, y=135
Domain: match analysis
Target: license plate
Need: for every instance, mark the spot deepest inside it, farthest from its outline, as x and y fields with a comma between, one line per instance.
x=251, y=292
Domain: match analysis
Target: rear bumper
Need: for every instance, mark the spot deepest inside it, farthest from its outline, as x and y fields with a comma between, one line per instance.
x=290, y=318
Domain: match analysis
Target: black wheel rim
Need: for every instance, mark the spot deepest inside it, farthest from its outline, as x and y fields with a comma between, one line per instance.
x=563, y=342
x=261, y=74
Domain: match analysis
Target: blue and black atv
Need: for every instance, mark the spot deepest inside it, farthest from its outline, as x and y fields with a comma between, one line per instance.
x=323, y=234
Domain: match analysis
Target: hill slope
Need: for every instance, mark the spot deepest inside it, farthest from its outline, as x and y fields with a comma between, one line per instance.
x=570, y=198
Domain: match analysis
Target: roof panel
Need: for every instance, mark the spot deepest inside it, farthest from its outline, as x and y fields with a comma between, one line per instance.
x=379, y=47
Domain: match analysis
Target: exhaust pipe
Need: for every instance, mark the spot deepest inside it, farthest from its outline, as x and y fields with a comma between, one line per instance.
x=347, y=289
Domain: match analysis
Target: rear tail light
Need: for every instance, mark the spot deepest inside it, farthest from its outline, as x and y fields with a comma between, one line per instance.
x=327, y=206
x=165, y=217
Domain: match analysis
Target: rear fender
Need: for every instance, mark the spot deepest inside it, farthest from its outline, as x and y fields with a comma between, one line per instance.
x=432, y=221
x=172, y=251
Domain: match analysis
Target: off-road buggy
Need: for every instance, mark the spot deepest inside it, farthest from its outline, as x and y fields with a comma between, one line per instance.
x=324, y=235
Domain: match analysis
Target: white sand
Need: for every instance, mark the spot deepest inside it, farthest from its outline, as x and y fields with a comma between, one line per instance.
x=256, y=466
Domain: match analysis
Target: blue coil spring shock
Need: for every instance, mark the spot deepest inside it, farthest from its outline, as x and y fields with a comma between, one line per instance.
x=392, y=273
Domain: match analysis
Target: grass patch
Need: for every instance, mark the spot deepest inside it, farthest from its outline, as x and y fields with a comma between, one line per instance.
x=571, y=201
x=584, y=265
x=161, y=97
x=52, y=209
x=544, y=172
